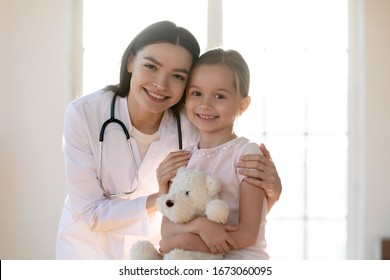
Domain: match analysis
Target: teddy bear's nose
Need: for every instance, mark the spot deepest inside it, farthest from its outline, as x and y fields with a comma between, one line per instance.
x=169, y=203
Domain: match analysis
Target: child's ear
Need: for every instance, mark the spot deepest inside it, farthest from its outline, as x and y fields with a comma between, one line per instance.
x=245, y=102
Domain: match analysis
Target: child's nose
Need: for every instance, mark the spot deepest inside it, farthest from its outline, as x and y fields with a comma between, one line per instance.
x=205, y=103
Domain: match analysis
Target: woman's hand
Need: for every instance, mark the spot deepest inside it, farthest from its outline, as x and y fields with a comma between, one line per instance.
x=261, y=172
x=167, y=169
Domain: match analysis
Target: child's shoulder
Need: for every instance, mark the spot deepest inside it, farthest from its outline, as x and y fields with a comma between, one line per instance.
x=247, y=146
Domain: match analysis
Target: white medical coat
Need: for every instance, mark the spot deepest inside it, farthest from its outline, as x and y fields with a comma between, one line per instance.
x=93, y=226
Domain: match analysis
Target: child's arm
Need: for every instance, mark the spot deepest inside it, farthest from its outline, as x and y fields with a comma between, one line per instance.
x=250, y=213
x=185, y=241
x=199, y=234
x=195, y=234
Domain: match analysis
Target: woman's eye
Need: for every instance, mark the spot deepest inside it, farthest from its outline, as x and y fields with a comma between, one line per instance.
x=187, y=193
x=150, y=66
x=179, y=77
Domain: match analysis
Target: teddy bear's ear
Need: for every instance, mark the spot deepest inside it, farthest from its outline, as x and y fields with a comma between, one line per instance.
x=213, y=185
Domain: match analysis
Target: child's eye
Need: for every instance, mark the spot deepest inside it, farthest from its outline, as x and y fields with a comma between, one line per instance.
x=196, y=93
x=219, y=96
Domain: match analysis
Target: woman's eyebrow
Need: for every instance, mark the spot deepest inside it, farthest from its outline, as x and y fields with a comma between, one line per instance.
x=183, y=70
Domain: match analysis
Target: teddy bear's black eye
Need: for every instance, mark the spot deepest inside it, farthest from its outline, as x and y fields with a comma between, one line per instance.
x=187, y=193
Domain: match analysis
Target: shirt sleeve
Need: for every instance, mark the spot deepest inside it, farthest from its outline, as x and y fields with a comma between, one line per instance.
x=247, y=148
x=85, y=196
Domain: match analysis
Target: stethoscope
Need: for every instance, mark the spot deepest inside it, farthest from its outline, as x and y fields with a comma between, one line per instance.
x=112, y=119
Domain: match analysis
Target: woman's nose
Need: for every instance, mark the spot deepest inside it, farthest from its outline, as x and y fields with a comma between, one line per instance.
x=160, y=83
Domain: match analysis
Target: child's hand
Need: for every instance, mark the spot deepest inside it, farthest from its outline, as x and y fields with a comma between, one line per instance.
x=216, y=236
x=167, y=169
x=168, y=244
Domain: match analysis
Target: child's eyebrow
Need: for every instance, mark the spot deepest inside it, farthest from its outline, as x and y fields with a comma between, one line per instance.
x=217, y=89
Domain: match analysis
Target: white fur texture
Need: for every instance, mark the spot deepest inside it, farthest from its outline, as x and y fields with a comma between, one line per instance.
x=217, y=211
x=179, y=254
x=144, y=250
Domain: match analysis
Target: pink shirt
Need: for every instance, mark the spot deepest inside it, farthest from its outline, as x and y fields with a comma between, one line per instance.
x=220, y=162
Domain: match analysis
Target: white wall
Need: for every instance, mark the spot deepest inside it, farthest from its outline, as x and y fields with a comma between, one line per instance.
x=369, y=180
x=36, y=85
x=35, y=88
x=377, y=126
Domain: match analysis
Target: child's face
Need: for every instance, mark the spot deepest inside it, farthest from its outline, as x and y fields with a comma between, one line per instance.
x=159, y=76
x=212, y=101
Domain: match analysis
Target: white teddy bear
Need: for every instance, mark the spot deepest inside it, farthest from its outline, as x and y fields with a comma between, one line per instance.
x=192, y=194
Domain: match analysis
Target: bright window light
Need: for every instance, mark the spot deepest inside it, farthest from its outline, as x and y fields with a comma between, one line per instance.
x=109, y=26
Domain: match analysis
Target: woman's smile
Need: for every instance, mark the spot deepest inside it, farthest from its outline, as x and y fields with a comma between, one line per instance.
x=155, y=96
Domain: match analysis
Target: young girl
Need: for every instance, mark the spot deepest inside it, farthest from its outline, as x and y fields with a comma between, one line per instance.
x=112, y=188
x=216, y=95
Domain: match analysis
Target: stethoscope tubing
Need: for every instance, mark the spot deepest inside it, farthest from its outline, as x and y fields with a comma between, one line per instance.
x=112, y=119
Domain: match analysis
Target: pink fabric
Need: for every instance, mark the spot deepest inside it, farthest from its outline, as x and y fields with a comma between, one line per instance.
x=220, y=162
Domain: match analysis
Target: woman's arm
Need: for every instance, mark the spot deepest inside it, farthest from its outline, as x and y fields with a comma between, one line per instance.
x=261, y=172
x=100, y=214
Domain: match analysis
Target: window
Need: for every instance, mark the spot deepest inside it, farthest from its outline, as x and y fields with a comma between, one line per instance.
x=299, y=66
x=297, y=53
x=109, y=26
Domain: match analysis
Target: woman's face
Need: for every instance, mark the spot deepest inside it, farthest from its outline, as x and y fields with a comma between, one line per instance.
x=159, y=76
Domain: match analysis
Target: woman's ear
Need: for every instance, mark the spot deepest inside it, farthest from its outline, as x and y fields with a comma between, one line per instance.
x=245, y=102
x=130, y=64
